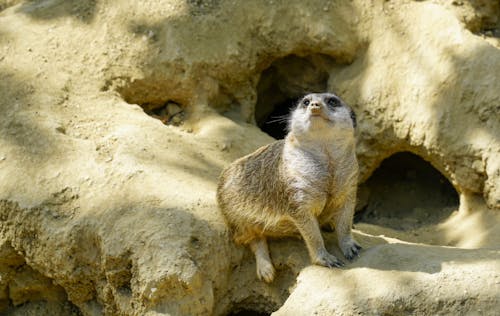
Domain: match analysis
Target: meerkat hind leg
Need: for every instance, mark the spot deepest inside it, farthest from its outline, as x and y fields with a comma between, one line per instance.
x=265, y=268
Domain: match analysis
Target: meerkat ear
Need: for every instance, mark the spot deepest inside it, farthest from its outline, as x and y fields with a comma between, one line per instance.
x=353, y=117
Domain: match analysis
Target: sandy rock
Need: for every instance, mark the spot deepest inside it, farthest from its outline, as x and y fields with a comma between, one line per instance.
x=418, y=288
x=104, y=210
x=438, y=65
x=24, y=291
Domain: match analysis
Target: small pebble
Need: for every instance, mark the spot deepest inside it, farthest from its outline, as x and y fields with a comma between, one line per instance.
x=173, y=109
x=176, y=120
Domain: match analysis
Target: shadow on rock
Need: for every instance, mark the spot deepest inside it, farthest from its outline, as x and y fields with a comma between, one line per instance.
x=419, y=258
x=83, y=11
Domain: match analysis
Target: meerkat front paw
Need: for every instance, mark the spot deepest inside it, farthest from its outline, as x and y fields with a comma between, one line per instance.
x=265, y=271
x=350, y=248
x=324, y=258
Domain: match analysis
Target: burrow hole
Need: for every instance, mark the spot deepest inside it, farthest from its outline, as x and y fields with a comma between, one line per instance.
x=248, y=312
x=406, y=193
x=283, y=83
x=152, y=96
x=254, y=305
x=169, y=112
x=488, y=24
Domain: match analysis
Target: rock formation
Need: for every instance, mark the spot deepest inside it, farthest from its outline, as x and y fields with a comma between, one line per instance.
x=118, y=116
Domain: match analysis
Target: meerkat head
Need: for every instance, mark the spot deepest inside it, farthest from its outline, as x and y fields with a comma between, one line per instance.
x=322, y=114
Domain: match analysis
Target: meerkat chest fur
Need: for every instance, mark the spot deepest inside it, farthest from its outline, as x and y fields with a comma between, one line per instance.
x=319, y=153
x=322, y=169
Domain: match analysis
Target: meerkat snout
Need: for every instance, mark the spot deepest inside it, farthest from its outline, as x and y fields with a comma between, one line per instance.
x=293, y=186
x=315, y=109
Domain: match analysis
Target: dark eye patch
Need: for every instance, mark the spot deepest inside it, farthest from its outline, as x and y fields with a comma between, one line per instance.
x=333, y=102
x=353, y=117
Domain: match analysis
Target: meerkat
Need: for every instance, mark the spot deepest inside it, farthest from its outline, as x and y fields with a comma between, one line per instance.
x=295, y=185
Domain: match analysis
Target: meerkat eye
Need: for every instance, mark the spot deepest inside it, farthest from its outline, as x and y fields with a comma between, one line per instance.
x=333, y=102
x=306, y=102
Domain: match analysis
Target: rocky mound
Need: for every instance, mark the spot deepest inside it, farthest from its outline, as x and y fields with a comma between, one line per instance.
x=118, y=116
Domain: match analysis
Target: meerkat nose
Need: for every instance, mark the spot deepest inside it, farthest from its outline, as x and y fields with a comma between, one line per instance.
x=315, y=108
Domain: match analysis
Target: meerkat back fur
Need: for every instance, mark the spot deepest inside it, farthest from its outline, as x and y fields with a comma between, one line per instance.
x=294, y=186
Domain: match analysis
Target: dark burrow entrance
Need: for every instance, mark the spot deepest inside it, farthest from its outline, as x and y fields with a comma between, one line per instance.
x=247, y=312
x=406, y=193
x=283, y=83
